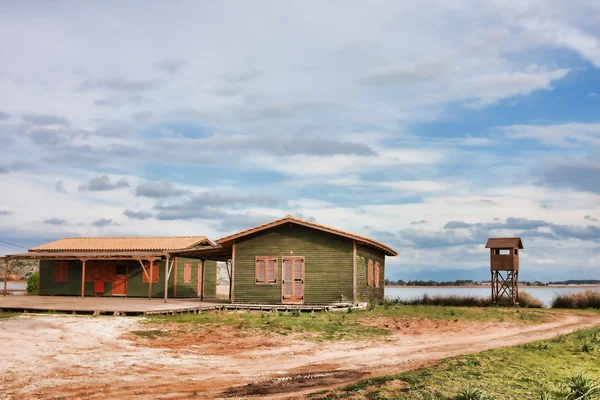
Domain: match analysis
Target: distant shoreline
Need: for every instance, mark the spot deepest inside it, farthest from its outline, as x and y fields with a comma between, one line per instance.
x=522, y=287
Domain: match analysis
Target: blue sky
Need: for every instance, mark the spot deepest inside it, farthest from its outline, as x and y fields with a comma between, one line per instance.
x=429, y=126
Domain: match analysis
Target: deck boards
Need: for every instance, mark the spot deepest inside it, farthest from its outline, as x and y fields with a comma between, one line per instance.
x=132, y=306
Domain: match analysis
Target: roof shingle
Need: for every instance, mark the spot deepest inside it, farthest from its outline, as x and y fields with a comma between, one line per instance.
x=133, y=243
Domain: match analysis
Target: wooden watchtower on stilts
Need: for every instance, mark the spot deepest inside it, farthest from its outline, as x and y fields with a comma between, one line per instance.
x=504, y=265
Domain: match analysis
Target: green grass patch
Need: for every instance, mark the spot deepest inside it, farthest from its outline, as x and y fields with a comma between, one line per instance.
x=4, y=315
x=151, y=333
x=345, y=325
x=555, y=369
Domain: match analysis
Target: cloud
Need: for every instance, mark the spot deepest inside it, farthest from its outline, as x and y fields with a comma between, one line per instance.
x=207, y=205
x=590, y=218
x=578, y=174
x=121, y=84
x=15, y=167
x=139, y=215
x=60, y=187
x=103, y=183
x=55, y=221
x=171, y=66
x=103, y=222
x=558, y=135
x=421, y=222
x=4, y=116
x=159, y=190
x=45, y=119
x=5, y=212
x=120, y=100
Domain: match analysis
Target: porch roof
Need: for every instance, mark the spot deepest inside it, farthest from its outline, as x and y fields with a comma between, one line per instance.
x=88, y=255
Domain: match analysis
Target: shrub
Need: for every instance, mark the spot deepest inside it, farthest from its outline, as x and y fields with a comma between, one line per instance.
x=582, y=387
x=528, y=301
x=448, y=300
x=295, y=312
x=579, y=300
x=33, y=283
x=471, y=394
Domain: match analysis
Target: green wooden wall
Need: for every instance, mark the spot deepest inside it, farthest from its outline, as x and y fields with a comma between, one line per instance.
x=364, y=292
x=135, y=286
x=328, y=265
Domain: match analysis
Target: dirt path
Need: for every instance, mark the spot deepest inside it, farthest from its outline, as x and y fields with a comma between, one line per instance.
x=55, y=357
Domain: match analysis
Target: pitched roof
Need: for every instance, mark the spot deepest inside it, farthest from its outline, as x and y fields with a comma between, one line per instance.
x=504, y=243
x=361, y=239
x=148, y=243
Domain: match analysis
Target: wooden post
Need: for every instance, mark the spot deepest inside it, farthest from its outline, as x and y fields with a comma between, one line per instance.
x=202, y=287
x=83, y=277
x=166, y=277
x=150, y=279
x=5, y=275
x=355, y=296
x=232, y=283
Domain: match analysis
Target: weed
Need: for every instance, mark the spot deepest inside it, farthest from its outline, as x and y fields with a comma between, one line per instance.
x=560, y=338
x=587, y=346
x=545, y=396
x=350, y=310
x=471, y=394
x=582, y=387
x=295, y=312
x=580, y=300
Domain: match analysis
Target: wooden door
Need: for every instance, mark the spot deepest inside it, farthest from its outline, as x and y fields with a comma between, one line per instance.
x=119, y=282
x=292, y=284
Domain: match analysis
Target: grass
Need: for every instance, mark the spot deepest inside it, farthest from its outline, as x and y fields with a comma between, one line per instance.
x=4, y=315
x=544, y=370
x=151, y=334
x=346, y=325
x=452, y=300
x=580, y=300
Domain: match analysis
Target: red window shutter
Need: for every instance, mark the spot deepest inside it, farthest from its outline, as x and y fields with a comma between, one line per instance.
x=376, y=274
x=370, y=273
x=260, y=270
x=272, y=270
x=187, y=273
x=61, y=271
x=155, y=273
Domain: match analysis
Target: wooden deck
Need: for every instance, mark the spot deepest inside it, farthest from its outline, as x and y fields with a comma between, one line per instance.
x=104, y=305
x=137, y=306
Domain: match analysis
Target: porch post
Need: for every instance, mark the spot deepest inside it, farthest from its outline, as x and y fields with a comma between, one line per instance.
x=150, y=280
x=166, y=277
x=5, y=275
x=83, y=277
x=202, y=288
x=232, y=281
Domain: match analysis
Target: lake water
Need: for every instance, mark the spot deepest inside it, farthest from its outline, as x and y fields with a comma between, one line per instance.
x=14, y=287
x=545, y=294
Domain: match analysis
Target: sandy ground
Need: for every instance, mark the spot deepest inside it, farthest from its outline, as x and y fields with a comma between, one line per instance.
x=63, y=357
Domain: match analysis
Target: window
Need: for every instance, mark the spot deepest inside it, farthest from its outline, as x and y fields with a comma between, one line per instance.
x=376, y=274
x=146, y=274
x=504, y=252
x=61, y=271
x=516, y=252
x=187, y=273
x=266, y=270
x=370, y=273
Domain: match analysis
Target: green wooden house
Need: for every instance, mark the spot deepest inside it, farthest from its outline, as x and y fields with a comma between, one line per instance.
x=123, y=266
x=292, y=261
x=287, y=261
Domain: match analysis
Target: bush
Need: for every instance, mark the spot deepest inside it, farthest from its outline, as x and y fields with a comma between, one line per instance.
x=33, y=283
x=447, y=300
x=528, y=301
x=580, y=300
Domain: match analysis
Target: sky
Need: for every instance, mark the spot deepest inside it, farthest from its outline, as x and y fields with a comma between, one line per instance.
x=429, y=126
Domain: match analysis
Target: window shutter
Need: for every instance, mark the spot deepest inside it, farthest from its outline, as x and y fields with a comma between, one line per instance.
x=61, y=271
x=187, y=273
x=370, y=273
x=376, y=274
x=260, y=271
x=272, y=270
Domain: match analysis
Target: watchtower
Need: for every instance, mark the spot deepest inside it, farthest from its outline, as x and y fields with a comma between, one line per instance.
x=504, y=265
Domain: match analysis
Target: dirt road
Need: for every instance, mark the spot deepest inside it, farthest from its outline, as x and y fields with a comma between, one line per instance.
x=56, y=357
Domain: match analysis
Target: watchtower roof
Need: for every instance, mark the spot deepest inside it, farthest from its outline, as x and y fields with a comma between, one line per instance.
x=504, y=243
